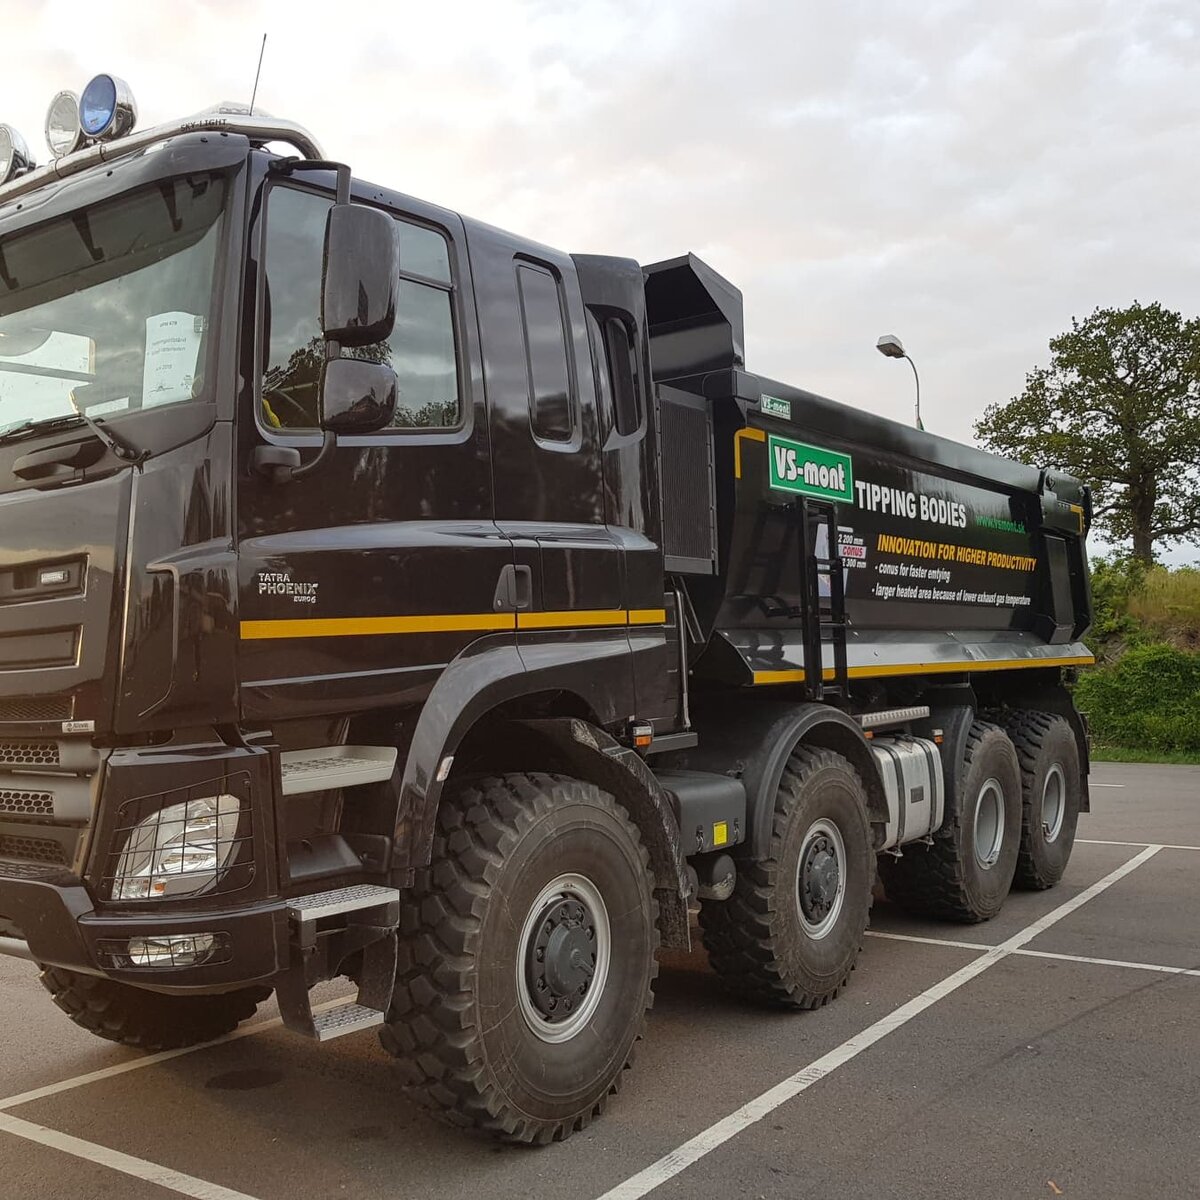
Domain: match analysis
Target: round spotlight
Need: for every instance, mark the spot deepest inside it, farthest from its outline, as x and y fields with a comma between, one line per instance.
x=63, y=134
x=14, y=154
x=106, y=109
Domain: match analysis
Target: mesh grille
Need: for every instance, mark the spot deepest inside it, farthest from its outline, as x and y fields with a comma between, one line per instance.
x=26, y=804
x=29, y=754
x=41, y=850
x=54, y=708
x=689, y=529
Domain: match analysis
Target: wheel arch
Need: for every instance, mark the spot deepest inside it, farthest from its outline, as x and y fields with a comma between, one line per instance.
x=755, y=738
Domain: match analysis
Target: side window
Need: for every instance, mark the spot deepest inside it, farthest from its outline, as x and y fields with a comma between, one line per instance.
x=622, y=369
x=550, y=408
x=421, y=349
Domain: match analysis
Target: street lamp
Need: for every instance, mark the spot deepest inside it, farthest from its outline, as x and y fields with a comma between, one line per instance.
x=890, y=346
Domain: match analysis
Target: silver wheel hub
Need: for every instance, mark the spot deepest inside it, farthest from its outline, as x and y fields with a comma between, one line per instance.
x=821, y=878
x=563, y=958
x=989, y=823
x=1054, y=802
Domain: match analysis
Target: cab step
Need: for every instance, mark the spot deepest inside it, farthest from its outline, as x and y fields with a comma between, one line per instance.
x=327, y=767
x=361, y=918
x=343, y=1019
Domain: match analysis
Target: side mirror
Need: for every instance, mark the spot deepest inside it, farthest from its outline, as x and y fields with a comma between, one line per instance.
x=360, y=276
x=357, y=397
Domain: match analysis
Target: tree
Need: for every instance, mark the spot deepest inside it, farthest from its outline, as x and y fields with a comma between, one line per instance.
x=1119, y=407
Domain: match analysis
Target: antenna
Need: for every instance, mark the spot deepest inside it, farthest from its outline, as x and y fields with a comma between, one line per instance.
x=254, y=94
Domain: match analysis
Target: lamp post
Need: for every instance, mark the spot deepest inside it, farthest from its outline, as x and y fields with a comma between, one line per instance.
x=890, y=346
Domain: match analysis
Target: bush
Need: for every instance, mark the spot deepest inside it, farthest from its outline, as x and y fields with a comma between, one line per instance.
x=1148, y=699
x=1114, y=584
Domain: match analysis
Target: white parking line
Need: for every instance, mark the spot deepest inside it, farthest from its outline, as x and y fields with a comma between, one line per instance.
x=150, y=1060
x=1076, y=958
x=164, y=1177
x=708, y=1140
x=1160, y=845
x=1095, y=783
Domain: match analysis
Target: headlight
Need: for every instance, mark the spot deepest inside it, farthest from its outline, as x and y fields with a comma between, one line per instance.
x=179, y=850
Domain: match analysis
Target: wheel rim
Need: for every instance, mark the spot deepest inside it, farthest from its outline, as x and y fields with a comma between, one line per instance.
x=821, y=878
x=1054, y=802
x=564, y=953
x=989, y=823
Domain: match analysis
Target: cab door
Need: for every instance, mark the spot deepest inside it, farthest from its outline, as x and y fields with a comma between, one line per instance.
x=361, y=581
x=549, y=485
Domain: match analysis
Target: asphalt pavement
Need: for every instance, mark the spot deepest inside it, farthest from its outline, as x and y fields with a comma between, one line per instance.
x=1052, y=1051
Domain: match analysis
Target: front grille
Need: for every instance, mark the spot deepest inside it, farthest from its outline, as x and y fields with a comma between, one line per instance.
x=38, y=850
x=26, y=804
x=53, y=708
x=29, y=754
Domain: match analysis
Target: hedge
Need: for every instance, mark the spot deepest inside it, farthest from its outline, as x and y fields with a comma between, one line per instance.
x=1148, y=699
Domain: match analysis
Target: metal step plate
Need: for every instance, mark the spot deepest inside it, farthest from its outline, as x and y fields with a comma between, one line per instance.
x=346, y=1018
x=329, y=767
x=340, y=900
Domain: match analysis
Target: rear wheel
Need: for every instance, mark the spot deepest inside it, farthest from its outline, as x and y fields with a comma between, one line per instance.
x=527, y=955
x=792, y=930
x=968, y=871
x=148, y=1020
x=1050, y=795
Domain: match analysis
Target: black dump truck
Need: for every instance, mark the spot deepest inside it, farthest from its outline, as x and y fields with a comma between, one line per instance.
x=388, y=596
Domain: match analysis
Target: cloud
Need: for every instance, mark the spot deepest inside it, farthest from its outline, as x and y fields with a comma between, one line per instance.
x=968, y=176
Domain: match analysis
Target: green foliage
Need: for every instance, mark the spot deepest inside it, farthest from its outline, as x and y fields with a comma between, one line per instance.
x=1149, y=699
x=1113, y=625
x=1118, y=407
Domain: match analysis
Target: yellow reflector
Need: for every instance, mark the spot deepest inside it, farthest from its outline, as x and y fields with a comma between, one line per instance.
x=720, y=833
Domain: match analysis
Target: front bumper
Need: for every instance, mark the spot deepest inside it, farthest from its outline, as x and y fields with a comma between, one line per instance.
x=61, y=926
x=61, y=910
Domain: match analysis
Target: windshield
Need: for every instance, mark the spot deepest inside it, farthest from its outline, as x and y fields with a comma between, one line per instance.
x=107, y=311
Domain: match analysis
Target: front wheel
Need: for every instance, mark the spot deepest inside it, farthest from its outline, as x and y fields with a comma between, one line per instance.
x=792, y=930
x=148, y=1020
x=527, y=955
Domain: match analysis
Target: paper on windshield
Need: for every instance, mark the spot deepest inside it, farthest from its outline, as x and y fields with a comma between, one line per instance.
x=172, y=352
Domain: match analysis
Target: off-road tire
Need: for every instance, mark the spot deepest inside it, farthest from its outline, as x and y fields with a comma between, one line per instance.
x=1044, y=740
x=148, y=1020
x=466, y=1050
x=756, y=940
x=945, y=879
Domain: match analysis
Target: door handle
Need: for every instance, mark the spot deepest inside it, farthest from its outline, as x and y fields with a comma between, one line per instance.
x=514, y=589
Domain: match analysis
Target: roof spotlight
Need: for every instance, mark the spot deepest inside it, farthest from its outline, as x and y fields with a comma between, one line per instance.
x=14, y=154
x=63, y=134
x=106, y=109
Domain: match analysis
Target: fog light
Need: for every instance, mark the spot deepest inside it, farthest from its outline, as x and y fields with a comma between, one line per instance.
x=179, y=850
x=183, y=950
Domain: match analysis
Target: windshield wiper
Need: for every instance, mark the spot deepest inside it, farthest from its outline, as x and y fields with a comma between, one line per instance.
x=118, y=445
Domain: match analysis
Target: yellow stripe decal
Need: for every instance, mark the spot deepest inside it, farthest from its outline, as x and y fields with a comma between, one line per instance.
x=311, y=627
x=755, y=435
x=938, y=668
x=572, y=619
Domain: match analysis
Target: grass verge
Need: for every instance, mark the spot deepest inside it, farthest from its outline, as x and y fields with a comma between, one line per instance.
x=1128, y=754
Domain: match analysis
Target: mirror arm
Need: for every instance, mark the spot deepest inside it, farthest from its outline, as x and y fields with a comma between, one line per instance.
x=328, y=444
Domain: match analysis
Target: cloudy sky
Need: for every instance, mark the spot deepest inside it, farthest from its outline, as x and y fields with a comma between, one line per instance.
x=968, y=175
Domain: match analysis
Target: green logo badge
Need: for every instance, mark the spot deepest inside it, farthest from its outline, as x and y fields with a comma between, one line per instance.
x=774, y=407
x=810, y=470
